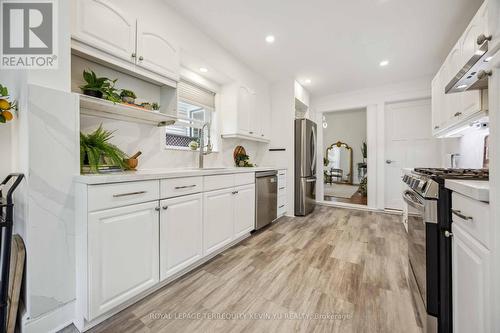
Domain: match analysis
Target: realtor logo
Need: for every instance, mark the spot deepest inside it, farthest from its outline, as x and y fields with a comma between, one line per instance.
x=28, y=34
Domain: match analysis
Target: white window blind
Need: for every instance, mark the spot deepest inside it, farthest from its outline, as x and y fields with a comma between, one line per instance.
x=194, y=94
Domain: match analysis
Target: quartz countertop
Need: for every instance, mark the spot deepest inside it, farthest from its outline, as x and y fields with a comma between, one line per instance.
x=475, y=189
x=151, y=174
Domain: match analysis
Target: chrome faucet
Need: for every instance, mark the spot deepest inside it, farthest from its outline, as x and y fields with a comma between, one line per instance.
x=202, y=141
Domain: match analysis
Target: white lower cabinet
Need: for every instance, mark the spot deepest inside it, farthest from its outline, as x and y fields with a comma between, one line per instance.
x=122, y=255
x=470, y=276
x=244, y=210
x=180, y=233
x=217, y=219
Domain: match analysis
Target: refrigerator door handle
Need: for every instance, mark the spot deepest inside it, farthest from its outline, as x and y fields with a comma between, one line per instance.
x=310, y=180
x=313, y=148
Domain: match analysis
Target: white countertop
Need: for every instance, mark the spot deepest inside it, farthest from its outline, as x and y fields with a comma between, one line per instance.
x=475, y=189
x=150, y=174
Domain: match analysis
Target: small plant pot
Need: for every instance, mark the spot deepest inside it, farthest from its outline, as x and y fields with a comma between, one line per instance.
x=129, y=100
x=131, y=163
x=93, y=93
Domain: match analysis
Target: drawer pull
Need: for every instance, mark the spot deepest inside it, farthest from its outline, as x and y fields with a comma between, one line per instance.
x=235, y=192
x=462, y=216
x=157, y=209
x=127, y=194
x=164, y=207
x=281, y=206
x=182, y=187
x=282, y=188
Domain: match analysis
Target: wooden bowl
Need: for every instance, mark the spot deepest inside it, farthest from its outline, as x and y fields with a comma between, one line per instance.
x=131, y=163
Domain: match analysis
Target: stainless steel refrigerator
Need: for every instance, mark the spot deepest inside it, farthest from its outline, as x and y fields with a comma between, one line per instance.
x=305, y=166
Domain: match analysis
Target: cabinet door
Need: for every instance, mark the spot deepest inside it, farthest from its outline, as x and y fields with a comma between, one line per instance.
x=156, y=51
x=180, y=233
x=437, y=92
x=218, y=212
x=452, y=102
x=245, y=97
x=122, y=255
x=470, y=278
x=101, y=24
x=244, y=210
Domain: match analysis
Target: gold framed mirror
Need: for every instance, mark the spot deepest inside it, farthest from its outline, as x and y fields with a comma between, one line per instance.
x=338, y=163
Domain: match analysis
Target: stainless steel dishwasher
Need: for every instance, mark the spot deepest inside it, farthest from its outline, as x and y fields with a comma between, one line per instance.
x=266, y=197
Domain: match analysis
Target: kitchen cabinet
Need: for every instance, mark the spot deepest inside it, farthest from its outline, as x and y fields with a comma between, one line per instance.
x=450, y=111
x=218, y=213
x=245, y=113
x=103, y=25
x=471, y=285
x=244, y=210
x=123, y=248
x=180, y=233
x=282, y=207
x=118, y=37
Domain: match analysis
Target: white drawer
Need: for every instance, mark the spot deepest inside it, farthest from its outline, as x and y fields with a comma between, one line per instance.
x=211, y=183
x=122, y=194
x=282, y=173
x=281, y=205
x=281, y=181
x=180, y=186
x=244, y=178
x=475, y=218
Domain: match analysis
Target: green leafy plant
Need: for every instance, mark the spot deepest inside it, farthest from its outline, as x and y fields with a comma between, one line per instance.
x=100, y=87
x=128, y=93
x=6, y=106
x=242, y=160
x=96, y=149
x=155, y=106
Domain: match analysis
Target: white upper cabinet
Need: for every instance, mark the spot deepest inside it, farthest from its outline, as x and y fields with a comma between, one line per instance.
x=112, y=34
x=452, y=110
x=156, y=51
x=103, y=25
x=246, y=114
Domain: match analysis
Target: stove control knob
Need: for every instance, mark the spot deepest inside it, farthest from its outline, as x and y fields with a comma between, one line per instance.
x=405, y=178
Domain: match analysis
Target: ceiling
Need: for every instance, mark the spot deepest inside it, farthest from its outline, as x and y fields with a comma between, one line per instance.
x=338, y=44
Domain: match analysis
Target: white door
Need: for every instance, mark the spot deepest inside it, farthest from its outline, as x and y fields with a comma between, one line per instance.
x=470, y=278
x=103, y=25
x=156, y=51
x=122, y=255
x=244, y=210
x=181, y=232
x=408, y=144
x=218, y=213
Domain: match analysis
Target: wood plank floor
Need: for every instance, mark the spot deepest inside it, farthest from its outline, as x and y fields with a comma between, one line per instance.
x=345, y=268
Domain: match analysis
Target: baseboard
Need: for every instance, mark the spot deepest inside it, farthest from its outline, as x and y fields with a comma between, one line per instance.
x=50, y=322
x=347, y=205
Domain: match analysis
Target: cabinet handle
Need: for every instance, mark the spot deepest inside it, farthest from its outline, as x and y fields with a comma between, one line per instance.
x=133, y=55
x=250, y=132
x=458, y=114
x=282, y=188
x=436, y=127
x=235, y=192
x=462, y=216
x=127, y=194
x=483, y=38
x=157, y=209
x=141, y=58
x=262, y=135
x=186, y=186
x=164, y=207
x=448, y=234
x=281, y=206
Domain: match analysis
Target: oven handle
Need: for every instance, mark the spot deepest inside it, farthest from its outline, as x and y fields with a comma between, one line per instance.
x=410, y=199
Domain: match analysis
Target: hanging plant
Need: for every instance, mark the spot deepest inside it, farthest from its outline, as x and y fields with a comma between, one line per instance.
x=7, y=106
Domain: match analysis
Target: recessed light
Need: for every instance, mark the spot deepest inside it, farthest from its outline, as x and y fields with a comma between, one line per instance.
x=384, y=63
x=488, y=59
x=462, y=86
x=307, y=81
x=203, y=69
x=270, y=39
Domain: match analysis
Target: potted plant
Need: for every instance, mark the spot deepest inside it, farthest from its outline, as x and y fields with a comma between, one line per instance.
x=128, y=96
x=100, y=87
x=147, y=106
x=96, y=151
x=6, y=106
x=155, y=106
x=242, y=160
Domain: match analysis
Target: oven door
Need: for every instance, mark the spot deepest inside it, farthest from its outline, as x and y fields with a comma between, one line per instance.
x=423, y=248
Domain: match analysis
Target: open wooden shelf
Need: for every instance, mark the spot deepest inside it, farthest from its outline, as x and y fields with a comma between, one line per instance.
x=97, y=107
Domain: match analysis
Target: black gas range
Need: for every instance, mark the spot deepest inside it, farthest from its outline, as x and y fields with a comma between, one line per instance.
x=429, y=242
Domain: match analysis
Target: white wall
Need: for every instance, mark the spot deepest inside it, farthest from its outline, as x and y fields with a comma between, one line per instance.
x=349, y=127
x=374, y=100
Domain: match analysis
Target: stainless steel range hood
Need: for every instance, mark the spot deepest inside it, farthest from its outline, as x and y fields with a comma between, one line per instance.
x=474, y=74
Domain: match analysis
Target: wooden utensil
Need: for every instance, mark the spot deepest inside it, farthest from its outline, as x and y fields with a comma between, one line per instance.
x=136, y=155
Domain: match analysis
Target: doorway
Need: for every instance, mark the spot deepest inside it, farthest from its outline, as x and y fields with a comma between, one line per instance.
x=344, y=156
x=408, y=144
